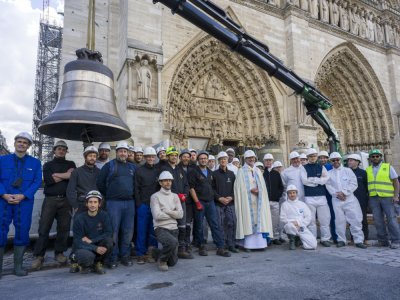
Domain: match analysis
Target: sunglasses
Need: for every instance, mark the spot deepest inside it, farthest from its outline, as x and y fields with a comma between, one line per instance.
x=375, y=156
x=336, y=159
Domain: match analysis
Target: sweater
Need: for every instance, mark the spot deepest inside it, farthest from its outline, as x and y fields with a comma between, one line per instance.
x=166, y=208
x=57, y=165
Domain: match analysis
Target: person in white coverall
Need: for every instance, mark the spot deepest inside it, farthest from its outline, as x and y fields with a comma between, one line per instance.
x=314, y=177
x=295, y=217
x=291, y=175
x=341, y=185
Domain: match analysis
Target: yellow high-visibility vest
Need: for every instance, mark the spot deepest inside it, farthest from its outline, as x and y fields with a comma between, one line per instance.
x=381, y=185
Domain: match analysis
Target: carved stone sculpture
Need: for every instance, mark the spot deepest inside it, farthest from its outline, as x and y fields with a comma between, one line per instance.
x=144, y=79
x=324, y=11
x=344, y=17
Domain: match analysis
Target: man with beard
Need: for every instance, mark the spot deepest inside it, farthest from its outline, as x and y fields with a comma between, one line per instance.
x=83, y=180
x=104, y=153
x=139, y=157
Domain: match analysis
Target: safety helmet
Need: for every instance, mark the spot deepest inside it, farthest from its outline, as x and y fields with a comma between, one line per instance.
x=222, y=154
x=60, y=143
x=323, y=153
x=235, y=159
x=335, y=155
x=94, y=194
x=131, y=148
x=139, y=150
x=90, y=149
x=249, y=153
x=184, y=151
x=122, y=145
x=291, y=187
x=268, y=156
x=311, y=151
x=105, y=146
x=354, y=156
x=165, y=175
x=202, y=152
x=375, y=151
x=211, y=157
x=159, y=149
x=259, y=164
x=149, y=151
x=192, y=150
x=303, y=156
x=24, y=135
x=171, y=150
x=277, y=164
x=230, y=150
x=294, y=154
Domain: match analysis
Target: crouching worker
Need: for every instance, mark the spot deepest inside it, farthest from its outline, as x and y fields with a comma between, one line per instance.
x=93, y=237
x=295, y=217
x=166, y=208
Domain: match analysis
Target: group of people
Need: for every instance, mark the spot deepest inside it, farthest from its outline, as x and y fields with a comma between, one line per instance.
x=158, y=204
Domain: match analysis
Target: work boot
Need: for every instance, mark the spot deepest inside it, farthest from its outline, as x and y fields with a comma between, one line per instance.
x=292, y=242
x=1, y=260
x=141, y=260
x=126, y=261
x=298, y=241
x=37, y=263
x=326, y=243
x=203, y=250
x=85, y=270
x=98, y=268
x=233, y=249
x=282, y=240
x=223, y=252
x=74, y=268
x=60, y=258
x=162, y=266
x=18, y=260
x=155, y=253
x=383, y=244
x=340, y=244
x=183, y=254
x=361, y=245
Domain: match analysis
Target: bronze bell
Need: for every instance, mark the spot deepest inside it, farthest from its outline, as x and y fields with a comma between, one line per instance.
x=86, y=110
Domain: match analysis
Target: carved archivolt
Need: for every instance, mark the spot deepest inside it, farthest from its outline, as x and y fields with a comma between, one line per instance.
x=361, y=111
x=219, y=95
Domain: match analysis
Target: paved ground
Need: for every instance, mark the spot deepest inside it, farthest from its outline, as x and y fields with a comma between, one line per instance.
x=277, y=273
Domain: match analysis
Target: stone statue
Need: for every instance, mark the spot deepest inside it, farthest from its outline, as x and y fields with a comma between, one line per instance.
x=294, y=2
x=324, y=11
x=379, y=35
x=363, y=25
x=389, y=34
x=335, y=12
x=144, y=82
x=397, y=36
x=304, y=5
x=314, y=8
x=370, y=27
x=344, y=16
x=354, y=21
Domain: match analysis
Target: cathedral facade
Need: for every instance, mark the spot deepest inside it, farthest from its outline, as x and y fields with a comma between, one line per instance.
x=176, y=85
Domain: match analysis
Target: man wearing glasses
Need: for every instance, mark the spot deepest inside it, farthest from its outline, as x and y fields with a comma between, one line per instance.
x=383, y=188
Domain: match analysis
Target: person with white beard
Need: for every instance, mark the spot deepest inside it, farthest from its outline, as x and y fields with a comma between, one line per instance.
x=292, y=176
x=295, y=217
x=341, y=185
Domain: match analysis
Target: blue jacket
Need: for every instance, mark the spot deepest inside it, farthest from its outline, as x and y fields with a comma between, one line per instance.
x=28, y=168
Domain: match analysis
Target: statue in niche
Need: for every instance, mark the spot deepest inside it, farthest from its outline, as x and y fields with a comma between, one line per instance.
x=294, y=2
x=144, y=82
x=314, y=8
x=335, y=12
x=304, y=5
x=390, y=34
x=324, y=11
x=397, y=36
x=379, y=37
x=344, y=16
x=363, y=25
x=370, y=27
x=354, y=21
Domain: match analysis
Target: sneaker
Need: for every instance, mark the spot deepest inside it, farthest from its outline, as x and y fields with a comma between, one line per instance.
x=162, y=266
x=361, y=245
x=37, y=263
x=277, y=242
x=98, y=268
x=340, y=244
x=74, y=268
x=394, y=245
x=223, y=252
x=185, y=255
x=61, y=258
x=203, y=251
x=233, y=249
x=325, y=243
x=126, y=261
x=150, y=259
x=141, y=260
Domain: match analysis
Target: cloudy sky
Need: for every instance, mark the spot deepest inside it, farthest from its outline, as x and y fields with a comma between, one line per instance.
x=19, y=28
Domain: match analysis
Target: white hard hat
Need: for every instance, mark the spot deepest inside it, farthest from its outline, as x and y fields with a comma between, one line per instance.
x=192, y=150
x=165, y=175
x=222, y=154
x=249, y=153
x=294, y=154
x=354, y=156
x=236, y=159
x=159, y=149
x=60, y=143
x=268, y=156
x=131, y=148
x=139, y=150
x=291, y=187
x=230, y=150
x=122, y=145
x=335, y=155
x=277, y=164
x=303, y=156
x=311, y=151
x=323, y=153
x=149, y=151
x=259, y=164
x=211, y=157
x=24, y=135
x=90, y=149
x=105, y=146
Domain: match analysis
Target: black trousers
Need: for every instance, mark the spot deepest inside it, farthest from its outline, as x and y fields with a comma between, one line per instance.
x=53, y=208
x=87, y=258
x=169, y=242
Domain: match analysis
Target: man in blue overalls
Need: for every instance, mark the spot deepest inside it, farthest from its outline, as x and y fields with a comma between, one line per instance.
x=20, y=178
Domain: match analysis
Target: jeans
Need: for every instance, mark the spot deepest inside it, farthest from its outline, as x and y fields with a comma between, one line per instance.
x=332, y=211
x=227, y=222
x=379, y=207
x=59, y=209
x=210, y=212
x=145, y=230
x=122, y=214
x=182, y=228
x=169, y=241
x=87, y=258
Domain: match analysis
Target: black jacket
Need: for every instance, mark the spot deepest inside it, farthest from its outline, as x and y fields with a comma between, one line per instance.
x=82, y=180
x=222, y=184
x=361, y=192
x=273, y=181
x=57, y=165
x=180, y=183
x=146, y=183
x=201, y=184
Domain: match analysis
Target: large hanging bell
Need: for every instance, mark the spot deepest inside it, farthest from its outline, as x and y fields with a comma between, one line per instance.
x=86, y=110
